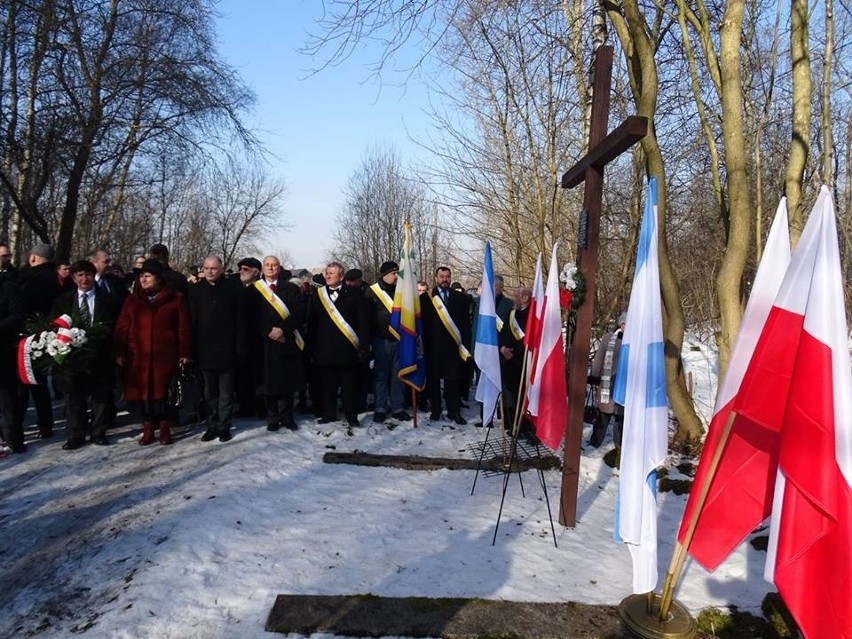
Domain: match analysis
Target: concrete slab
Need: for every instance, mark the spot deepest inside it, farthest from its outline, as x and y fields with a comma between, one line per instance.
x=372, y=616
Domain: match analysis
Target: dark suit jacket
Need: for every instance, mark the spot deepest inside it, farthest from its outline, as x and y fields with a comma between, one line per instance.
x=276, y=366
x=442, y=352
x=216, y=312
x=106, y=313
x=326, y=343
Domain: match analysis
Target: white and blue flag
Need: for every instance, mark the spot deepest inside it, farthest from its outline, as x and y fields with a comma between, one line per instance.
x=486, y=351
x=640, y=386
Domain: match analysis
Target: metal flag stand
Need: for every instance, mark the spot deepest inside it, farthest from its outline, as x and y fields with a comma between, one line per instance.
x=507, y=456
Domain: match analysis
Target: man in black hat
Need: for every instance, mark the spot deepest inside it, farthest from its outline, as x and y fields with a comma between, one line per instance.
x=249, y=268
x=388, y=391
x=39, y=287
x=88, y=305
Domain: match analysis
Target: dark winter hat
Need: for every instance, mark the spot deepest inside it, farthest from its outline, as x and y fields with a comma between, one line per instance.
x=251, y=262
x=388, y=267
x=43, y=250
x=318, y=280
x=353, y=274
x=153, y=267
x=83, y=266
x=285, y=274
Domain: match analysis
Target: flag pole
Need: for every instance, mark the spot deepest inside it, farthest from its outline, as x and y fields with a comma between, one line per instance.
x=679, y=554
x=521, y=396
x=414, y=405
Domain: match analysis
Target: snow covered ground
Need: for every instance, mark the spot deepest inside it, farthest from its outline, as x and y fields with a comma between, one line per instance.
x=196, y=539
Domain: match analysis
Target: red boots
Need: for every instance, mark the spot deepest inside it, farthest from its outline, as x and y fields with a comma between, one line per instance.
x=165, y=432
x=147, y=434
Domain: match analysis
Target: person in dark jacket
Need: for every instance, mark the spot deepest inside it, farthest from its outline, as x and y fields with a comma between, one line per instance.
x=338, y=342
x=275, y=317
x=40, y=286
x=176, y=280
x=216, y=312
x=86, y=305
x=447, y=328
x=11, y=322
x=105, y=280
x=511, y=342
x=8, y=272
x=388, y=391
x=604, y=368
x=152, y=338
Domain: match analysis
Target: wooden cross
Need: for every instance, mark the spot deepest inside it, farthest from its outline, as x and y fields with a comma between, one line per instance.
x=603, y=149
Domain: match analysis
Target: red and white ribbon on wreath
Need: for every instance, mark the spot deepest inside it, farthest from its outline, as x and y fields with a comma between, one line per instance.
x=25, y=363
x=26, y=373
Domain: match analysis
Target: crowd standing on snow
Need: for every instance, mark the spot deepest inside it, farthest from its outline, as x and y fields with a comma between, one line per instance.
x=258, y=343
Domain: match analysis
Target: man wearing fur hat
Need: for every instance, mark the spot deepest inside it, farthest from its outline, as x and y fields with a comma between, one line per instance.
x=388, y=392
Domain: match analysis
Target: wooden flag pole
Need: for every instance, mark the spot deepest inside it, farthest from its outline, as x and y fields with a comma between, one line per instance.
x=521, y=396
x=679, y=554
x=414, y=405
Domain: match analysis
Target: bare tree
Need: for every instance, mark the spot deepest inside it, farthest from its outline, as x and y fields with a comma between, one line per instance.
x=103, y=81
x=380, y=196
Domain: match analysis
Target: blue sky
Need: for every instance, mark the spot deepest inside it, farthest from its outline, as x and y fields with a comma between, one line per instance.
x=319, y=126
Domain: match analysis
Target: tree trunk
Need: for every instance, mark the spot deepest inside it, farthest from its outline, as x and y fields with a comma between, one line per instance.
x=801, y=124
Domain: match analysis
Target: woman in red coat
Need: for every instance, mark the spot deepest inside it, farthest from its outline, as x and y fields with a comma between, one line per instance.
x=152, y=338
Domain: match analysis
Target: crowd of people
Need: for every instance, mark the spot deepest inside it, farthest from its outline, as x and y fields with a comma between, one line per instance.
x=261, y=343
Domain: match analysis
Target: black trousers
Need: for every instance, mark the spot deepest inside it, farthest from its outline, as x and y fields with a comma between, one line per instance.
x=344, y=378
x=79, y=391
x=452, y=394
x=10, y=411
x=42, y=401
x=218, y=389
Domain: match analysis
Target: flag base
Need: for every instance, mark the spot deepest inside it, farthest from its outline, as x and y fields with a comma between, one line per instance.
x=646, y=624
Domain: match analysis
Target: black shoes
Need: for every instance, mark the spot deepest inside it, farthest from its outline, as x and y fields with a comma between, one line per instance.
x=19, y=448
x=326, y=420
x=209, y=435
x=457, y=418
x=402, y=416
x=225, y=436
x=289, y=423
x=378, y=418
x=272, y=427
x=100, y=440
x=73, y=444
x=435, y=417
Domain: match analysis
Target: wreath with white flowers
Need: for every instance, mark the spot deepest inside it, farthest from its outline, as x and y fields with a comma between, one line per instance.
x=575, y=284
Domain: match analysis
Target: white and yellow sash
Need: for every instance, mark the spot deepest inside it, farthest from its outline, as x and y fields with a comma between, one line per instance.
x=517, y=331
x=280, y=307
x=450, y=325
x=337, y=318
x=385, y=299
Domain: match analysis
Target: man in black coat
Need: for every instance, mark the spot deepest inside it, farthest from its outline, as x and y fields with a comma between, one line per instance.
x=276, y=315
x=338, y=342
x=40, y=287
x=447, y=328
x=175, y=279
x=511, y=342
x=8, y=272
x=216, y=312
x=11, y=321
x=106, y=281
x=86, y=305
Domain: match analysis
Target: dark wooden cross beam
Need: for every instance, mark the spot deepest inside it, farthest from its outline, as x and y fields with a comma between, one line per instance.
x=603, y=149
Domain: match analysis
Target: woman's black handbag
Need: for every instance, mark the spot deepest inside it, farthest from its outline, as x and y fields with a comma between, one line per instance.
x=184, y=390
